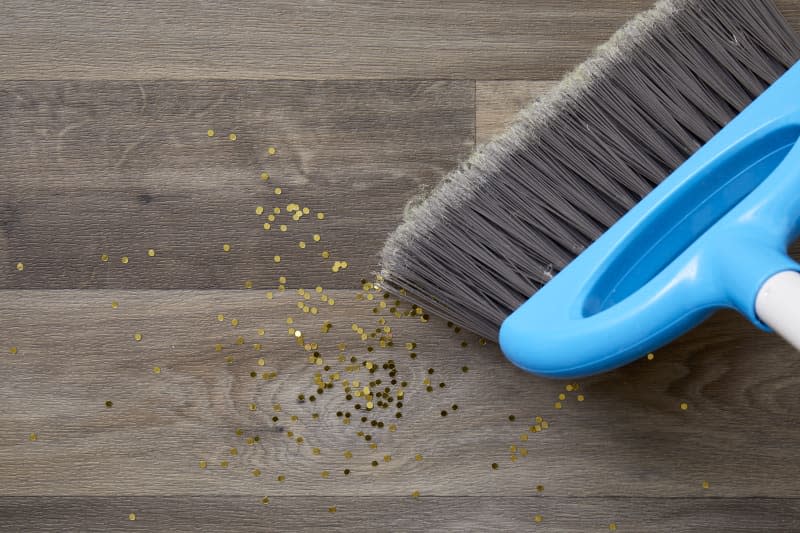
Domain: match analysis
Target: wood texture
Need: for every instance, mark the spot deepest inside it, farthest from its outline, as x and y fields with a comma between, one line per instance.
x=92, y=168
x=93, y=164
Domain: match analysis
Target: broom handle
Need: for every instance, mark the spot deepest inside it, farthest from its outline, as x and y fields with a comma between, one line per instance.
x=778, y=305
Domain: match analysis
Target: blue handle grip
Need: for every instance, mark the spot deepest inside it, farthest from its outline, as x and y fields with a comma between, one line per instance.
x=708, y=237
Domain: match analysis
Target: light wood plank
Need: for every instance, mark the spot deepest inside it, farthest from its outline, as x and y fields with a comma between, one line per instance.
x=280, y=39
x=629, y=438
x=118, y=168
x=402, y=513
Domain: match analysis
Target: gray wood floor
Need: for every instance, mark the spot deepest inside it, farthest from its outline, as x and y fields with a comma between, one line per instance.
x=106, y=110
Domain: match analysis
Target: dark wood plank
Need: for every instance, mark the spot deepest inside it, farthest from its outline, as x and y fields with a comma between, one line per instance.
x=498, y=102
x=402, y=513
x=629, y=438
x=344, y=39
x=118, y=168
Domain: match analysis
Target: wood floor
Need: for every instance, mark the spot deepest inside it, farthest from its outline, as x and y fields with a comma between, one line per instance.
x=154, y=376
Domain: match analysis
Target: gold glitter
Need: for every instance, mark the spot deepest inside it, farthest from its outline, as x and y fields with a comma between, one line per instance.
x=539, y=488
x=203, y=464
x=124, y=259
x=301, y=244
x=210, y=133
x=495, y=466
x=297, y=333
x=265, y=500
x=132, y=517
x=538, y=518
x=104, y=258
x=307, y=211
x=331, y=509
x=612, y=526
x=114, y=304
x=684, y=406
x=151, y=253
x=281, y=478
x=234, y=452
x=581, y=397
x=271, y=150
x=232, y=136
x=226, y=247
x=256, y=472
x=253, y=407
x=109, y=404
x=418, y=457
x=260, y=210
x=156, y=370
x=706, y=484
x=316, y=237
x=271, y=218
x=218, y=347
x=264, y=176
x=268, y=295
x=562, y=396
x=321, y=216
x=33, y=437
x=278, y=191
x=557, y=405
x=283, y=227
x=20, y=267
x=651, y=356
x=348, y=454
x=545, y=425
x=221, y=317
x=415, y=494
x=137, y=337
x=234, y=322
x=248, y=284
x=276, y=210
x=224, y=464
x=261, y=362
x=325, y=254
x=325, y=474
x=569, y=388
x=315, y=451
x=277, y=259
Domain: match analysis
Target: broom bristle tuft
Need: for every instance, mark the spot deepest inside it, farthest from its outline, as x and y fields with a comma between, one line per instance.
x=523, y=206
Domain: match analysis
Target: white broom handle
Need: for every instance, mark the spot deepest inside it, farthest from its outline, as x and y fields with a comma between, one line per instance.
x=778, y=306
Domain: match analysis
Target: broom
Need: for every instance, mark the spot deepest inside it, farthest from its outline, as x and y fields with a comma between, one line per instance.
x=659, y=182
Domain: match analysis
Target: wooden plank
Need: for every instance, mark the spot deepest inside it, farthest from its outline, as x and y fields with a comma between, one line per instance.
x=117, y=168
x=629, y=438
x=498, y=102
x=402, y=513
x=282, y=39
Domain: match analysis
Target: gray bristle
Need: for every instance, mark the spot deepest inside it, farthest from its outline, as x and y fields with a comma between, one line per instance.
x=525, y=205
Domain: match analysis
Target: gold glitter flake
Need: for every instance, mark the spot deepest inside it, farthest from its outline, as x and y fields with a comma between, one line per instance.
x=264, y=176
x=278, y=191
x=20, y=266
x=226, y=247
x=124, y=260
x=132, y=517
x=265, y=500
x=109, y=404
x=538, y=518
x=151, y=252
x=612, y=526
x=156, y=370
x=684, y=406
x=104, y=258
x=33, y=437
x=114, y=304
x=277, y=259
x=210, y=133
x=260, y=210
x=332, y=509
x=706, y=484
x=272, y=150
x=203, y=464
x=137, y=336
x=232, y=136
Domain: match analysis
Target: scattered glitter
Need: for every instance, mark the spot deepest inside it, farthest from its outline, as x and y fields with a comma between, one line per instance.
x=316, y=237
x=325, y=474
x=137, y=337
x=151, y=252
x=203, y=464
x=495, y=466
x=114, y=304
x=684, y=406
x=562, y=396
x=651, y=356
x=581, y=397
x=256, y=472
x=538, y=518
x=109, y=404
x=277, y=259
x=232, y=136
x=265, y=500
x=132, y=517
x=415, y=494
x=418, y=457
x=301, y=244
x=272, y=150
x=321, y=216
x=210, y=133
x=234, y=322
x=20, y=266
x=226, y=247
x=124, y=259
x=706, y=484
x=557, y=405
x=278, y=191
x=33, y=437
x=156, y=370
x=612, y=526
x=511, y=418
x=264, y=176
x=539, y=488
x=104, y=258
x=331, y=509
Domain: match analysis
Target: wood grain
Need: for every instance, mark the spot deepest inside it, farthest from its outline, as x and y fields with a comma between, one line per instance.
x=402, y=513
x=498, y=102
x=92, y=168
x=281, y=39
x=629, y=438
